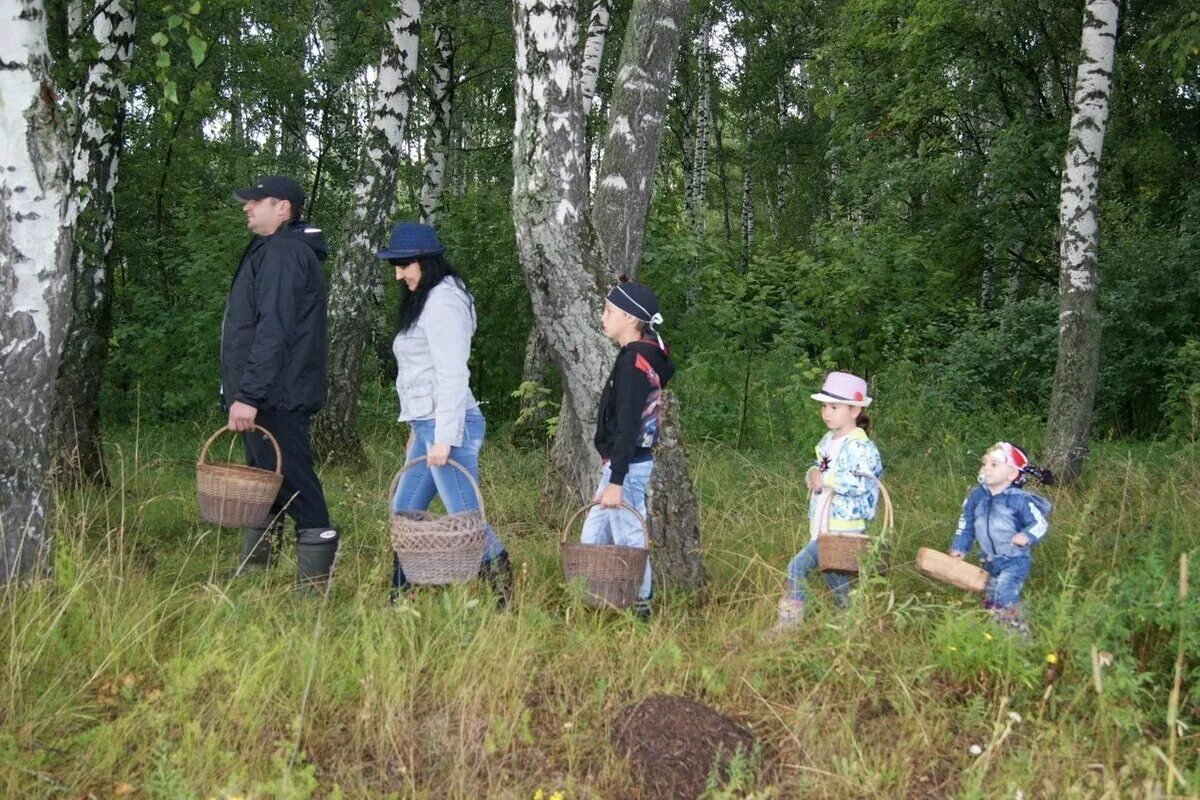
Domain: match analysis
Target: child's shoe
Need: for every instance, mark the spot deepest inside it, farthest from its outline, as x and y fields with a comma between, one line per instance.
x=1012, y=621
x=789, y=616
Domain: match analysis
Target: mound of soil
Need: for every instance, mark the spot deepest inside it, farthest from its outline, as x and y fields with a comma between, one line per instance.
x=673, y=743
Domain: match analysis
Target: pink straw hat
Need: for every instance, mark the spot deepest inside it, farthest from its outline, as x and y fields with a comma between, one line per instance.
x=842, y=387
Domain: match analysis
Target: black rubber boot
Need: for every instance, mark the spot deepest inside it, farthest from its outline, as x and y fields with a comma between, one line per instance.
x=315, y=551
x=258, y=548
x=498, y=574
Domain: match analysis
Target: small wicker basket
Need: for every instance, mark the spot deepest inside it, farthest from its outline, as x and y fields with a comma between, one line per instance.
x=438, y=549
x=611, y=573
x=841, y=552
x=236, y=495
x=947, y=569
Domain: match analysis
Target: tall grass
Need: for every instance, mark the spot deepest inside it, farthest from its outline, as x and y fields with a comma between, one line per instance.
x=139, y=669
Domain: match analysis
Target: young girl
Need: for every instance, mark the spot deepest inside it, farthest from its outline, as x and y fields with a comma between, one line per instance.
x=627, y=424
x=1006, y=521
x=832, y=479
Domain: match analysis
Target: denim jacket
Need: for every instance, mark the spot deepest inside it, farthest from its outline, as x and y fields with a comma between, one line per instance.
x=993, y=520
x=432, y=376
x=855, y=498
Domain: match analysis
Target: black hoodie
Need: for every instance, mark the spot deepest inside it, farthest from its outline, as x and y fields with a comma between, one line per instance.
x=631, y=405
x=273, y=335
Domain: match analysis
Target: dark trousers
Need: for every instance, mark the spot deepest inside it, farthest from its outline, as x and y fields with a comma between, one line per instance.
x=307, y=506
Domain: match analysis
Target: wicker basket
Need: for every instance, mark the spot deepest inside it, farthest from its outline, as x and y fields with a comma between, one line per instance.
x=438, y=550
x=612, y=573
x=842, y=552
x=947, y=569
x=236, y=495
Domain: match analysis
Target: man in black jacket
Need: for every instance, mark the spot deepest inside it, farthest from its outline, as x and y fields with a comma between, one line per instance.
x=273, y=350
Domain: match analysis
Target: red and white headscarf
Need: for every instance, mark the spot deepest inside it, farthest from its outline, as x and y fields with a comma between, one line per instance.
x=1013, y=455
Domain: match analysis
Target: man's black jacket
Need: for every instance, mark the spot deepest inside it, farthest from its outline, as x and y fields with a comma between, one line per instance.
x=273, y=336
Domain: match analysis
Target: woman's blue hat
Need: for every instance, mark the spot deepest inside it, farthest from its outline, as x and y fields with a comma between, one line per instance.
x=411, y=240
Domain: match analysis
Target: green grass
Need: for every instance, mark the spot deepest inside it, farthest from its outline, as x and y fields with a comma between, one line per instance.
x=136, y=669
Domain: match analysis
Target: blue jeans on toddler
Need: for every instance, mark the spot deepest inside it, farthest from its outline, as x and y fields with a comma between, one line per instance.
x=617, y=525
x=805, y=562
x=1007, y=576
x=419, y=484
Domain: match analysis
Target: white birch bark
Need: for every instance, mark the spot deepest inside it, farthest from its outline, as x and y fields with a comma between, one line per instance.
x=355, y=281
x=1068, y=427
x=782, y=169
x=35, y=270
x=550, y=210
x=593, y=51
x=441, y=106
x=703, y=104
x=101, y=111
x=747, y=209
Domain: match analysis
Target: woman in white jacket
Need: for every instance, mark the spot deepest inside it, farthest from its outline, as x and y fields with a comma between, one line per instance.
x=437, y=321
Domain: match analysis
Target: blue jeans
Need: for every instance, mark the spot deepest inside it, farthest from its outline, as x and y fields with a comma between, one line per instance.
x=1008, y=574
x=617, y=525
x=805, y=562
x=419, y=484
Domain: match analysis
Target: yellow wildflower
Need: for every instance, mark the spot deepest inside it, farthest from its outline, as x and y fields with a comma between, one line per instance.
x=952, y=648
x=539, y=795
x=1051, y=658
x=987, y=636
x=556, y=796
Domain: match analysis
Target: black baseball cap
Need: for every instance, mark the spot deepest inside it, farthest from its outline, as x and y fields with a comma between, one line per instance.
x=275, y=186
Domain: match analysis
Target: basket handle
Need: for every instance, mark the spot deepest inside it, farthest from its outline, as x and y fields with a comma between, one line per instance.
x=267, y=433
x=889, y=522
x=588, y=506
x=450, y=463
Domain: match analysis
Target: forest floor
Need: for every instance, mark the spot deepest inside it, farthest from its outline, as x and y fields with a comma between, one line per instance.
x=137, y=668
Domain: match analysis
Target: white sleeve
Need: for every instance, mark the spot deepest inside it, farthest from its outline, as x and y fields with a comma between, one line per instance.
x=448, y=322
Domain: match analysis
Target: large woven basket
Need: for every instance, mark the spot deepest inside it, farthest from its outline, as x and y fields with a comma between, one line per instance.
x=842, y=552
x=436, y=549
x=236, y=495
x=947, y=569
x=611, y=573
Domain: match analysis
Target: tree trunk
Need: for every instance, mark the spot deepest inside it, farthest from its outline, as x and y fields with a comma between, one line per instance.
x=703, y=103
x=1014, y=277
x=747, y=207
x=593, y=51
x=441, y=106
x=1070, y=420
x=549, y=212
x=530, y=428
x=558, y=247
x=355, y=281
x=77, y=444
x=987, y=281
x=724, y=177
x=35, y=269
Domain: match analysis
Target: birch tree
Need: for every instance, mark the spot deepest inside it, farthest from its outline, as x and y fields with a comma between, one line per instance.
x=35, y=270
x=703, y=109
x=593, y=50
x=441, y=106
x=97, y=146
x=1077, y=370
x=355, y=288
x=535, y=412
x=567, y=261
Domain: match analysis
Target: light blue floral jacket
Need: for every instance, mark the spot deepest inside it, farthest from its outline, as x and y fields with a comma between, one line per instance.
x=855, y=498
